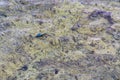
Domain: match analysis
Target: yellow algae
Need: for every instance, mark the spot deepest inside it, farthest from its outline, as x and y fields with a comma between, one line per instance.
x=23, y=24
x=85, y=30
x=75, y=55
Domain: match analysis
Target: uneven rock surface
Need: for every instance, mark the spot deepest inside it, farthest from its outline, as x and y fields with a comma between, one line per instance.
x=59, y=40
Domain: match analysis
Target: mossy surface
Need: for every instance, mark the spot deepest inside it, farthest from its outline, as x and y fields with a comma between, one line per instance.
x=75, y=45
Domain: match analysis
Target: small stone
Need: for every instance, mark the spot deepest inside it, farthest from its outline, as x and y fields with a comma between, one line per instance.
x=24, y=68
x=56, y=71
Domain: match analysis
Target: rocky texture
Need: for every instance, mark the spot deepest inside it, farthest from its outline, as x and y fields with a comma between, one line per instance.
x=74, y=45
